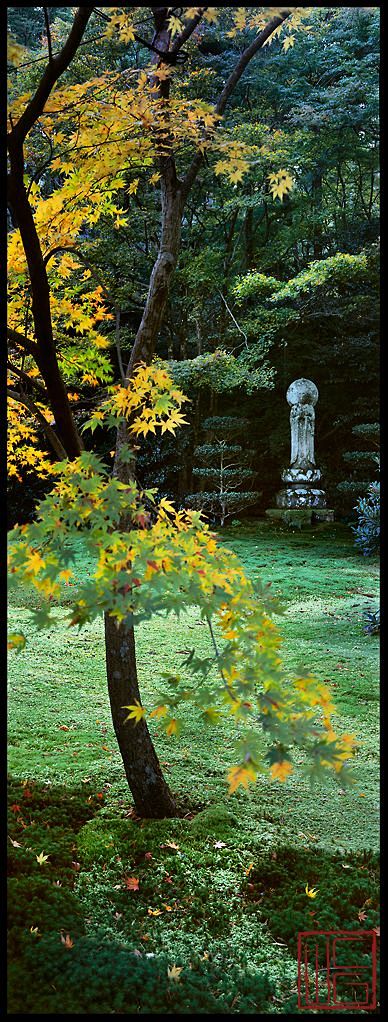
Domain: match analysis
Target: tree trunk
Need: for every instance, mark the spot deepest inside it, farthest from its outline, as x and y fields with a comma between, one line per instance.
x=151, y=794
x=45, y=356
x=149, y=789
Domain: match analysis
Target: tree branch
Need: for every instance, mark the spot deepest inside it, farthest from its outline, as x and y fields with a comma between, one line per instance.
x=22, y=342
x=230, y=85
x=28, y=379
x=22, y=399
x=48, y=33
x=53, y=71
x=187, y=31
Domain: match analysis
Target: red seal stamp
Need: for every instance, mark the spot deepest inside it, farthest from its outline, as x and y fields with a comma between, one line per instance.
x=337, y=970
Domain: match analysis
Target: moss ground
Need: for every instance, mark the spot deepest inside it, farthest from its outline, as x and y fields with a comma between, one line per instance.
x=223, y=902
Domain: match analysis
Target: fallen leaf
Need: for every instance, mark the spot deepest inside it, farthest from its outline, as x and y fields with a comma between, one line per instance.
x=67, y=941
x=132, y=883
x=219, y=844
x=35, y=932
x=247, y=871
x=63, y=727
x=41, y=858
x=362, y=916
x=376, y=930
x=170, y=844
x=154, y=912
x=15, y=843
x=148, y=855
x=311, y=891
x=174, y=973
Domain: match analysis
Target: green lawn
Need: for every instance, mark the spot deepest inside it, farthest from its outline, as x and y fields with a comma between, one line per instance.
x=233, y=911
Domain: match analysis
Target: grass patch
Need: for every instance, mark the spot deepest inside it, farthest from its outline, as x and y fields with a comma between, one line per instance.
x=233, y=875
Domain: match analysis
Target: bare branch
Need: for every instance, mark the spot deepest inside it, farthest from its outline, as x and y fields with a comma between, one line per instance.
x=234, y=320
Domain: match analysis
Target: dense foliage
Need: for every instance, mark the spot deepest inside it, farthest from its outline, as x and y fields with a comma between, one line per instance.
x=367, y=530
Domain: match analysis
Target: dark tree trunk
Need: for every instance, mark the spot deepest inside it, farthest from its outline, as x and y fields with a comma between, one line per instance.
x=151, y=794
x=45, y=353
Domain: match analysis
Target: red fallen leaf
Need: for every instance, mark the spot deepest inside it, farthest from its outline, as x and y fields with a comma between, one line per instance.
x=76, y=866
x=27, y=793
x=376, y=930
x=67, y=941
x=131, y=883
x=167, y=879
x=362, y=916
x=15, y=808
x=148, y=855
x=63, y=727
x=99, y=794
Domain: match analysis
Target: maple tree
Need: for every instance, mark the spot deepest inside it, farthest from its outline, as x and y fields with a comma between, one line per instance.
x=148, y=557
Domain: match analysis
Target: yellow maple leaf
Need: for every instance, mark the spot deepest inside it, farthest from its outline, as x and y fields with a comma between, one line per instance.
x=288, y=43
x=281, y=183
x=137, y=712
x=160, y=711
x=41, y=858
x=175, y=25
x=65, y=574
x=172, y=728
x=240, y=775
x=174, y=973
x=280, y=771
x=34, y=563
x=311, y=891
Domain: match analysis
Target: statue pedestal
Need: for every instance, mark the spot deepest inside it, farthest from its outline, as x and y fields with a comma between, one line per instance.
x=301, y=490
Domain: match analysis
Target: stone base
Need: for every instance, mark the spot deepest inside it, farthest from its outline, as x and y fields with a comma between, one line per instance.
x=298, y=517
x=323, y=514
x=301, y=497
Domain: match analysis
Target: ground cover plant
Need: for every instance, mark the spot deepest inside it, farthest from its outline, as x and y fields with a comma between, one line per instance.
x=203, y=910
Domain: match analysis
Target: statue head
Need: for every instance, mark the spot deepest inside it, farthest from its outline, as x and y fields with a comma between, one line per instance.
x=303, y=392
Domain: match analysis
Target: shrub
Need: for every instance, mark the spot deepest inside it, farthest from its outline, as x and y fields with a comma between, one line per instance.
x=100, y=976
x=367, y=530
x=372, y=621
